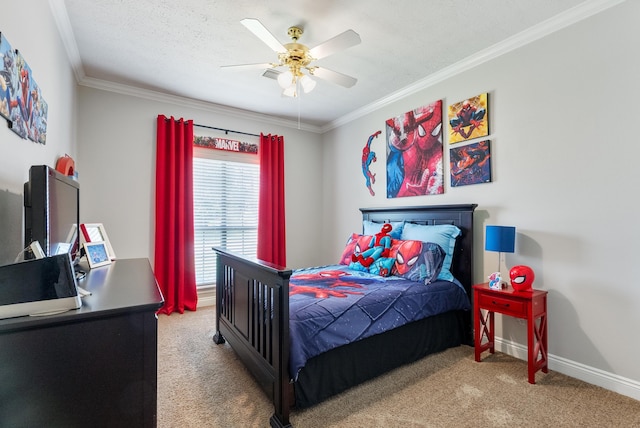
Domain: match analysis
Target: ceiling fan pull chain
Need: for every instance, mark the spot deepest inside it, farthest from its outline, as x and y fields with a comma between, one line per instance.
x=299, y=96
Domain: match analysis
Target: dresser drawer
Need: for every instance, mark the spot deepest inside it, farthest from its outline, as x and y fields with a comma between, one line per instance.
x=503, y=305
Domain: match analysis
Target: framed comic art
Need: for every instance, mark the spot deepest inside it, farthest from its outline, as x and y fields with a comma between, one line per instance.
x=7, y=76
x=21, y=100
x=470, y=164
x=414, y=152
x=468, y=119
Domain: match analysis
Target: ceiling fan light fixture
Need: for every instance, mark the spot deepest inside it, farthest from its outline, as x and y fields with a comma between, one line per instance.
x=298, y=58
x=290, y=91
x=286, y=79
x=307, y=84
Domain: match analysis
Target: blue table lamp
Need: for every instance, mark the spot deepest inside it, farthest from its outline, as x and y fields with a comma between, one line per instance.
x=501, y=239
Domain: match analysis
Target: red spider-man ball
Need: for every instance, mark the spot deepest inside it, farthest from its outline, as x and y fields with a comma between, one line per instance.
x=521, y=277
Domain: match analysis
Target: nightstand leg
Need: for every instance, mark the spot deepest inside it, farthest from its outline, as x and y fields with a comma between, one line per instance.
x=491, y=334
x=541, y=335
x=543, y=327
x=484, y=327
x=537, y=346
x=531, y=357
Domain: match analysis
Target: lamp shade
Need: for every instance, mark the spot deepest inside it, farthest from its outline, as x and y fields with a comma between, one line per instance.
x=500, y=238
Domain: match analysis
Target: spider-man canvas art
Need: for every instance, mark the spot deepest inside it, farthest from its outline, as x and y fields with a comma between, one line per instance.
x=468, y=119
x=470, y=164
x=21, y=101
x=414, y=152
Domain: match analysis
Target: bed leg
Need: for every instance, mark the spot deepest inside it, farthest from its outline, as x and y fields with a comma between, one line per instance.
x=218, y=339
x=275, y=422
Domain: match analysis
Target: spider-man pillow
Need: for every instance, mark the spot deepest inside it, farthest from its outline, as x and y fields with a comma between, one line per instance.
x=416, y=260
x=355, y=243
x=442, y=234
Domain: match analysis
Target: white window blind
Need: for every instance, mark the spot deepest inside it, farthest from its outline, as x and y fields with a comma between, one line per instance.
x=225, y=199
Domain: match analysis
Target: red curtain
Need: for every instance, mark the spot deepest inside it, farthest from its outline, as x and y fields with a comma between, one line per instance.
x=174, y=265
x=271, y=222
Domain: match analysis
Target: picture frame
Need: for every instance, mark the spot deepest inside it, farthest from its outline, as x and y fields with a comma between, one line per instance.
x=469, y=119
x=97, y=254
x=415, y=152
x=95, y=232
x=7, y=67
x=470, y=164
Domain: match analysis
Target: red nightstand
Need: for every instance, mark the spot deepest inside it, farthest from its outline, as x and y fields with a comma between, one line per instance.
x=529, y=305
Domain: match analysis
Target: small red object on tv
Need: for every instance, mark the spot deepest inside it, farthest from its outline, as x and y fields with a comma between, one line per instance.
x=65, y=165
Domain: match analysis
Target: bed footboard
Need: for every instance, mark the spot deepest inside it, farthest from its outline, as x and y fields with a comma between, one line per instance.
x=252, y=314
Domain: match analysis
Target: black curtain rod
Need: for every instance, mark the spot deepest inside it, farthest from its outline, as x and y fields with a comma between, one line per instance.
x=226, y=131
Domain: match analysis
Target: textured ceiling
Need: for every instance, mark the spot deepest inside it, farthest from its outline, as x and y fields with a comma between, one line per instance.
x=178, y=47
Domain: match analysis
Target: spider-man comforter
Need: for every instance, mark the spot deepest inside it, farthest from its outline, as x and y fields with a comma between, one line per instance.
x=331, y=306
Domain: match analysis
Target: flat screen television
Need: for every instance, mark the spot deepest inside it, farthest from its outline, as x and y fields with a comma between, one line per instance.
x=52, y=212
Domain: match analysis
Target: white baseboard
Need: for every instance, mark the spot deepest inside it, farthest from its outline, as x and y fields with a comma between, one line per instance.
x=610, y=381
x=206, y=297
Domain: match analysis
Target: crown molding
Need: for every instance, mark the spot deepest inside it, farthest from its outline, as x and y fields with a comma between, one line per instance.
x=59, y=11
x=545, y=28
x=148, y=94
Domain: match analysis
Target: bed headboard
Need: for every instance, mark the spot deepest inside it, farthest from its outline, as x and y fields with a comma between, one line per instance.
x=459, y=215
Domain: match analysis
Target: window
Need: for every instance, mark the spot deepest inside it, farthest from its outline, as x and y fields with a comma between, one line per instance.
x=225, y=199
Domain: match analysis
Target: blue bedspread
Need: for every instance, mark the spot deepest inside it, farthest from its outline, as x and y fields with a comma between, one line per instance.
x=332, y=306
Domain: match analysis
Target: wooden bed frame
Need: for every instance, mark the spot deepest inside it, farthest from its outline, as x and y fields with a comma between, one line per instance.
x=252, y=301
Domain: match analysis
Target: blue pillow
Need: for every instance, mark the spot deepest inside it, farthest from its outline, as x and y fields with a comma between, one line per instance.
x=371, y=228
x=442, y=234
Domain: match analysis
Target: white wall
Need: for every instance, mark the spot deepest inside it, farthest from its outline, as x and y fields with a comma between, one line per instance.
x=563, y=122
x=116, y=165
x=29, y=26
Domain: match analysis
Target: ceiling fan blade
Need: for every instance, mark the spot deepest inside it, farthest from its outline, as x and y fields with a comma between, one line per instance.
x=335, y=77
x=340, y=42
x=263, y=34
x=260, y=65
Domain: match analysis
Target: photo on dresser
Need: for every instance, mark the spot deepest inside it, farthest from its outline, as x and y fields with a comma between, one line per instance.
x=96, y=253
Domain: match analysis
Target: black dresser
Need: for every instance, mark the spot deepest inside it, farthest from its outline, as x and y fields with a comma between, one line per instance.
x=91, y=367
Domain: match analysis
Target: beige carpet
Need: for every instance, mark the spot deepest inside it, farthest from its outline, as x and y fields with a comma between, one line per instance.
x=201, y=384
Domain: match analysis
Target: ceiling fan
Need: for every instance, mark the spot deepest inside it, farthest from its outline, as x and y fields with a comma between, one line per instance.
x=298, y=58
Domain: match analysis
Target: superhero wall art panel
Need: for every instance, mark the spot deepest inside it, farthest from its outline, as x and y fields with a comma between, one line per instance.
x=21, y=101
x=468, y=119
x=6, y=73
x=368, y=157
x=470, y=164
x=414, y=152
